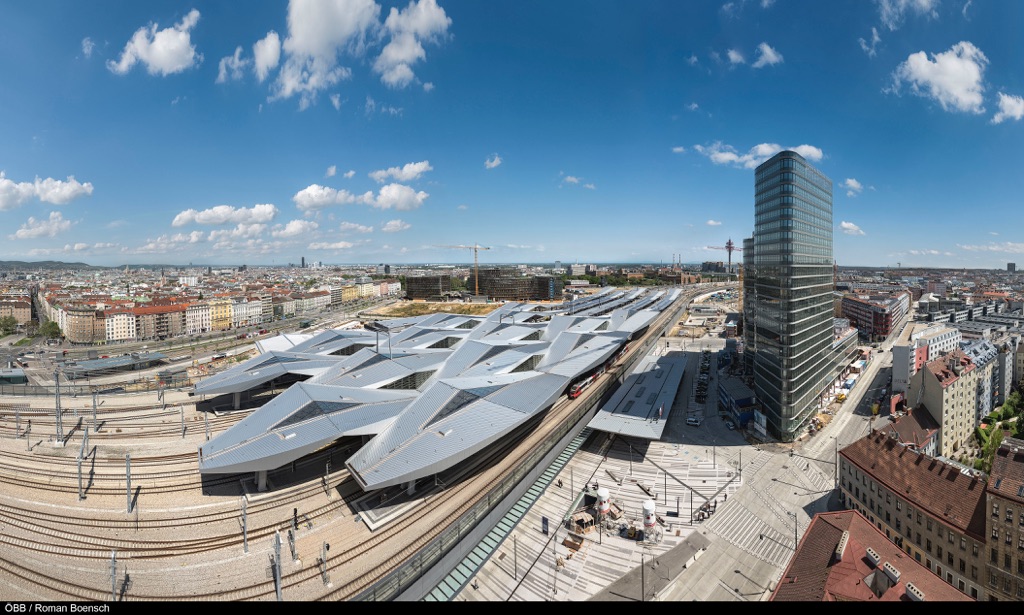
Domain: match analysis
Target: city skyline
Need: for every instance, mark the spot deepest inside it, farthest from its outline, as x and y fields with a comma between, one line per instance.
x=361, y=132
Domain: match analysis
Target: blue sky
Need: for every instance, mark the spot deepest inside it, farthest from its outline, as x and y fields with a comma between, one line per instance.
x=354, y=131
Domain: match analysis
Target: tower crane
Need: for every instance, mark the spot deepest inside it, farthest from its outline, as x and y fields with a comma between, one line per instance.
x=476, y=261
x=729, y=247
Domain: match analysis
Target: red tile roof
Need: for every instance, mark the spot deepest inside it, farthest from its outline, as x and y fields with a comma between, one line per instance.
x=815, y=574
x=956, y=499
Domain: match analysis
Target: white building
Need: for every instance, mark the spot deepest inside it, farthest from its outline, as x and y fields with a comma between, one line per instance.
x=245, y=313
x=197, y=318
x=120, y=325
x=919, y=344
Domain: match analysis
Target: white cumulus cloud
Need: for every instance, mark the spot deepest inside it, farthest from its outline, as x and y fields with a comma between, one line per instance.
x=295, y=228
x=953, y=78
x=1010, y=108
x=349, y=174
x=87, y=46
x=266, y=55
x=766, y=56
x=346, y=227
x=850, y=228
x=409, y=172
x=49, y=190
x=409, y=28
x=892, y=12
x=319, y=31
x=331, y=170
x=735, y=57
x=714, y=223
x=315, y=196
x=338, y=245
x=492, y=162
x=400, y=197
x=393, y=226
x=679, y=149
x=232, y=67
x=720, y=153
x=226, y=214
x=46, y=227
x=163, y=52
x=853, y=187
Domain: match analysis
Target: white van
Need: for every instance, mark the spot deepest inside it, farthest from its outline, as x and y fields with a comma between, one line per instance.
x=693, y=421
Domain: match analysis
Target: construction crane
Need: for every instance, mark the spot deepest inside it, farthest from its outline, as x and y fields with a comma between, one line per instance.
x=729, y=247
x=476, y=261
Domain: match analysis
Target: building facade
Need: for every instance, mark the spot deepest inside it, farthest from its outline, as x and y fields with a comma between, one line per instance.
x=927, y=507
x=790, y=274
x=1004, y=562
x=947, y=388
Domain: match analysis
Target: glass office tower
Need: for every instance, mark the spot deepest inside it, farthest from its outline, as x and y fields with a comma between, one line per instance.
x=788, y=287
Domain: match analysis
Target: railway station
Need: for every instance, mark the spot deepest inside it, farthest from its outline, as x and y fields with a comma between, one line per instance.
x=435, y=392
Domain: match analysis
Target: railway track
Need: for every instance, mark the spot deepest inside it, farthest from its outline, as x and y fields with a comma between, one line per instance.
x=185, y=540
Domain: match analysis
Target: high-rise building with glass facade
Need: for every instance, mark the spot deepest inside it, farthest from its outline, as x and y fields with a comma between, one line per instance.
x=788, y=284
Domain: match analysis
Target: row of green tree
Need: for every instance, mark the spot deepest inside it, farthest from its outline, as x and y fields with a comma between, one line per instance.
x=992, y=430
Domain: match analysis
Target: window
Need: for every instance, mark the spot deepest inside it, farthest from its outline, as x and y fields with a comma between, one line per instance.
x=1009, y=538
x=1009, y=515
x=919, y=517
x=974, y=572
x=995, y=509
x=898, y=524
x=974, y=549
x=951, y=538
x=887, y=518
x=929, y=524
x=995, y=533
x=949, y=558
x=963, y=543
x=1021, y=521
x=1006, y=561
x=888, y=500
x=938, y=552
x=963, y=566
x=994, y=557
x=918, y=535
x=991, y=578
x=899, y=505
x=1020, y=566
x=928, y=545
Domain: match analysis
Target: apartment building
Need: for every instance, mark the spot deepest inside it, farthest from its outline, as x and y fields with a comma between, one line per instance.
x=929, y=508
x=947, y=389
x=283, y=306
x=985, y=356
x=197, y=318
x=1004, y=565
x=81, y=325
x=245, y=313
x=875, y=316
x=918, y=344
x=21, y=310
x=120, y=325
x=221, y=313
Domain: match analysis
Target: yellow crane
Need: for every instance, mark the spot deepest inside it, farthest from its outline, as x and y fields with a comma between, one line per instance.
x=476, y=261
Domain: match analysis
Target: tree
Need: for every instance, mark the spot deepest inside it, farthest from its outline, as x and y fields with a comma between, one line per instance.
x=7, y=324
x=50, y=330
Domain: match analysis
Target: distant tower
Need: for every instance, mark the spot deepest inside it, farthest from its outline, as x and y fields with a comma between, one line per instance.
x=1011, y=267
x=303, y=265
